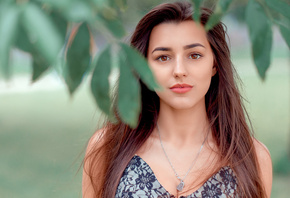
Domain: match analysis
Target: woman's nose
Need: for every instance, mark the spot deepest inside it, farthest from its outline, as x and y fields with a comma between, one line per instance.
x=179, y=69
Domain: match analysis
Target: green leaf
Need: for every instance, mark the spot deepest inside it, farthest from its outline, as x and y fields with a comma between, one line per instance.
x=196, y=6
x=39, y=63
x=22, y=40
x=280, y=7
x=78, y=58
x=285, y=32
x=42, y=32
x=39, y=66
x=284, y=25
x=220, y=10
x=129, y=94
x=139, y=64
x=100, y=85
x=8, y=30
x=261, y=36
x=60, y=22
x=62, y=25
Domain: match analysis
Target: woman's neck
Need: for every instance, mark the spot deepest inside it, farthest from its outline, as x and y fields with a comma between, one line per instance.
x=182, y=127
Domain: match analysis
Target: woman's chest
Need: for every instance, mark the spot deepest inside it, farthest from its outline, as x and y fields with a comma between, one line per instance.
x=176, y=167
x=138, y=180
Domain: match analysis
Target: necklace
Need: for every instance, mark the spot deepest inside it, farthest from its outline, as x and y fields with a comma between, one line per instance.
x=181, y=185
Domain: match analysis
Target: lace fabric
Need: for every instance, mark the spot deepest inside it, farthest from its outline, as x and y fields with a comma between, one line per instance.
x=139, y=181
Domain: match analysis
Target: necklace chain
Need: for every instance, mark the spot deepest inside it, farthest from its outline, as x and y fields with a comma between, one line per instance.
x=181, y=184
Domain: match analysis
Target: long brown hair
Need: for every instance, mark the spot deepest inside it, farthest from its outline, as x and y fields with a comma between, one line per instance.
x=226, y=113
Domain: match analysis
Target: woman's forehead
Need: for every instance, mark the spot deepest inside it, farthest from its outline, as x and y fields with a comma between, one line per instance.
x=178, y=33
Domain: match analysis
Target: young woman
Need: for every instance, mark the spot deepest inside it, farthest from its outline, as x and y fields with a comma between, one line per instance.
x=192, y=139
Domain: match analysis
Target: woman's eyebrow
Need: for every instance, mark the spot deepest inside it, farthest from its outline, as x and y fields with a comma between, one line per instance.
x=193, y=45
x=162, y=49
x=185, y=47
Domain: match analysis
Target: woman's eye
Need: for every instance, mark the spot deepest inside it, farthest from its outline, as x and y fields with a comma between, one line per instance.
x=194, y=56
x=163, y=58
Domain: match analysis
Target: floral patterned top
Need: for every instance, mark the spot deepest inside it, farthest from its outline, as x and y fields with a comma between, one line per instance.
x=139, y=181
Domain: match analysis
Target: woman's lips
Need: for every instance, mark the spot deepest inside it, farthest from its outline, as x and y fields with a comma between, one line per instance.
x=181, y=88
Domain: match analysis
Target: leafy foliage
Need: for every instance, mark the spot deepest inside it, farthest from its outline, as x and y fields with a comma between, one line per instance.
x=220, y=9
x=196, y=5
x=261, y=36
x=78, y=57
x=139, y=64
x=42, y=32
x=129, y=100
x=100, y=84
x=260, y=17
x=285, y=33
x=8, y=29
x=58, y=32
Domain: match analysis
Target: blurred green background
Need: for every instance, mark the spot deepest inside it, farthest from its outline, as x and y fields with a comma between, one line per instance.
x=44, y=131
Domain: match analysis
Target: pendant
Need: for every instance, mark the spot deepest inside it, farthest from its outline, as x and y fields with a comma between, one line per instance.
x=180, y=186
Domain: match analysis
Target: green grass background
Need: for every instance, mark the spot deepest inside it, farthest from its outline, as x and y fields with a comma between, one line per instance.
x=43, y=133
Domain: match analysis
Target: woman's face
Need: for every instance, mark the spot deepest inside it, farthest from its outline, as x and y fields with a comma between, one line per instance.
x=182, y=62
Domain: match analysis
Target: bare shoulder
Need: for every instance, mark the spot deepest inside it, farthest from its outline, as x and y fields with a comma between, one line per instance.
x=265, y=164
x=94, y=142
x=262, y=151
